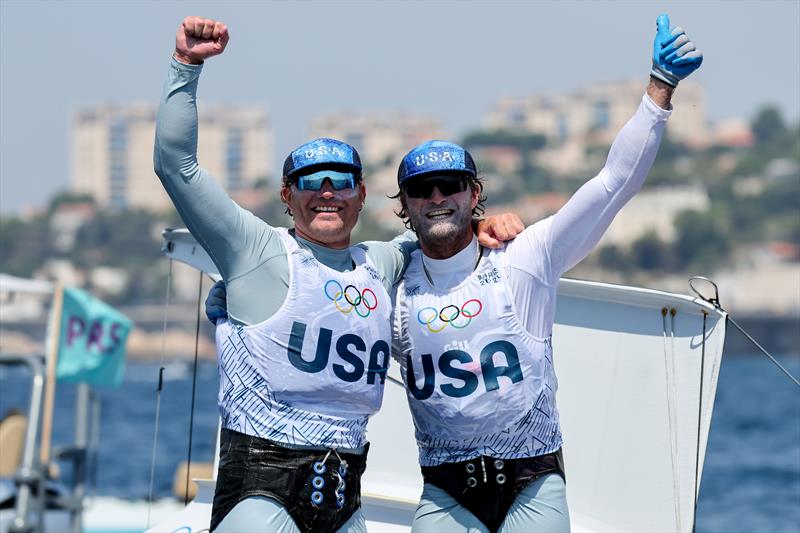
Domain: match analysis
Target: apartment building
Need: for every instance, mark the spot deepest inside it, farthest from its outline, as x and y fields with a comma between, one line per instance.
x=655, y=210
x=572, y=121
x=112, y=151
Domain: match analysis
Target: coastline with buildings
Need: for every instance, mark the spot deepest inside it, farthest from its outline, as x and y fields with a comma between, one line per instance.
x=721, y=200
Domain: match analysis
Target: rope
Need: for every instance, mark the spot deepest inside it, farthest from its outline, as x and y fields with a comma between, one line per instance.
x=395, y=381
x=715, y=302
x=194, y=387
x=669, y=371
x=699, y=418
x=158, y=395
x=94, y=445
x=765, y=352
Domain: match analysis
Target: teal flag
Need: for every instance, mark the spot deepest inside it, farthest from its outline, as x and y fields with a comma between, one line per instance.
x=91, y=347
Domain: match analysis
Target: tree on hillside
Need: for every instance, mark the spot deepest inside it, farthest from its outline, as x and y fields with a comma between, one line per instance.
x=702, y=241
x=523, y=141
x=648, y=252
x=768, y=125
x=614, y=258
x=24, y=245
x=67, y=197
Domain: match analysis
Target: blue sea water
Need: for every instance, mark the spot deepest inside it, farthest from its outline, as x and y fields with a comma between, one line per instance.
x=751, y=480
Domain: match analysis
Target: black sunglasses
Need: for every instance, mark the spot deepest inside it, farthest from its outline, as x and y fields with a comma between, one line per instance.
x=447, y=185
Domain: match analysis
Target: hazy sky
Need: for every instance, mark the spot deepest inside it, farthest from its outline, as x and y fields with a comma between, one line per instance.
x=450, y=59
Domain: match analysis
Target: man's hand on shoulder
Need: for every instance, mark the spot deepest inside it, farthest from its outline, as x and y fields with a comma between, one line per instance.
x=493, y=231
x=199, y=38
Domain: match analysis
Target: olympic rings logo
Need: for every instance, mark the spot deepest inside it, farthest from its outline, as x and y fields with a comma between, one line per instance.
x=457, y=317
x=364, y=302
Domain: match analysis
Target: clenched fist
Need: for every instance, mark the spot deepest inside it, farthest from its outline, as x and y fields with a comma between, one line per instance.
x=199, y=38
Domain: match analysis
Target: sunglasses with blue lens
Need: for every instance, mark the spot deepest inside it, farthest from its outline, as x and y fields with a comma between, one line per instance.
x=447, y=185
x=313, y=182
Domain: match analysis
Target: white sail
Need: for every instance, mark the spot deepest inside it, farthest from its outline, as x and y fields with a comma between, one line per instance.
x=629, y=398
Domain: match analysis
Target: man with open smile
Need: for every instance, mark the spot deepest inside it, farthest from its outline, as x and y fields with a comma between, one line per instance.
x=472, y=327
x=304, y=353
x=326, y=213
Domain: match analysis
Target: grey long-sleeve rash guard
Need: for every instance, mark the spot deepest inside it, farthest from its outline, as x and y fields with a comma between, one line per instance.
x=247, y=251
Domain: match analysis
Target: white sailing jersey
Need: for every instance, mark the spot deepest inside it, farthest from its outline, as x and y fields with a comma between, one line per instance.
x=481, y=396
x=314, y=372
x=477, y=382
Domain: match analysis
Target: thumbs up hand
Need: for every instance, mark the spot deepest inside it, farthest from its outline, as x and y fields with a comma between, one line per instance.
x=674, y=54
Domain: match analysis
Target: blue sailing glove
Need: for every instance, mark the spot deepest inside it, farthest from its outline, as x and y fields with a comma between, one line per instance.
x=216, y=302
x=674, y=55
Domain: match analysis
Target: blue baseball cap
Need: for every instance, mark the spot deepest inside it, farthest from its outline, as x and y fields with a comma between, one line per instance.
x=436, y=157
x=323, y=153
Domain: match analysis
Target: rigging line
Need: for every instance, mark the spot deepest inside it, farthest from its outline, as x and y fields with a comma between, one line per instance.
x=765, y=352
x=672, y=313
x=158, y=395
x=699, y=418
x=93, y=442
x=395, y=381
x=194, y=387
x=715, y=302
x=670, y=409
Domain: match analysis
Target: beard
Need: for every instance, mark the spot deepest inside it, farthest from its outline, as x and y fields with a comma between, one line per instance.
x=443, y=234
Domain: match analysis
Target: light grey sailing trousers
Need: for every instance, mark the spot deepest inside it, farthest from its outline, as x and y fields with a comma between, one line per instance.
x=259, y=514
x=540, y=507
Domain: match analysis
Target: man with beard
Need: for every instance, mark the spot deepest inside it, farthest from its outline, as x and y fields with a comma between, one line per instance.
x=304, y=354
x=472, y=327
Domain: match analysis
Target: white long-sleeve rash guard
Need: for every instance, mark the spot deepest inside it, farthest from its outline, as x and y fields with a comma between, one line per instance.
x=545, y=250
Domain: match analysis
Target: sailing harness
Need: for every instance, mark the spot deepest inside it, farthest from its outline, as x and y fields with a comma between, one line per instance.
x=487, y=487
x=319, y=489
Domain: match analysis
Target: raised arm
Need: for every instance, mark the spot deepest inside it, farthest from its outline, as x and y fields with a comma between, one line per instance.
x=223, y=228
x=570, y=234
